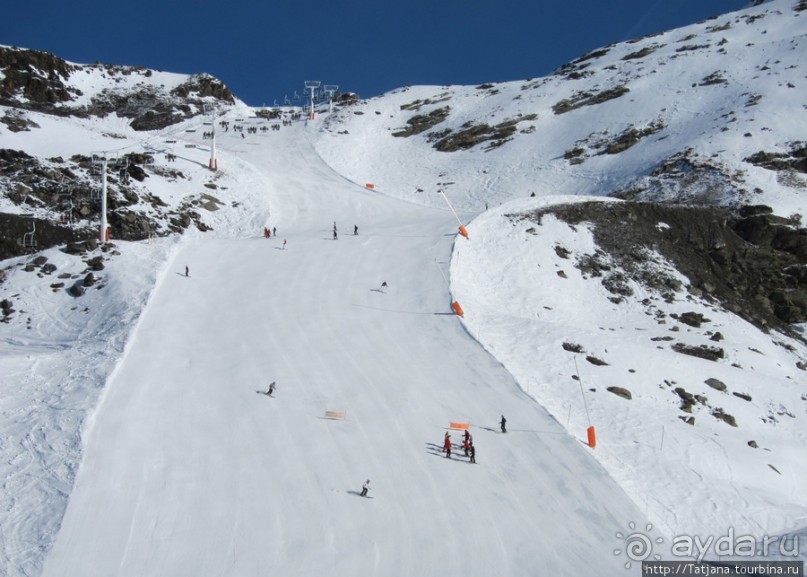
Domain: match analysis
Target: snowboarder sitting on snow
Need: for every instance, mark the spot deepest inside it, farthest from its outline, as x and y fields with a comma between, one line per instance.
x=365, y=488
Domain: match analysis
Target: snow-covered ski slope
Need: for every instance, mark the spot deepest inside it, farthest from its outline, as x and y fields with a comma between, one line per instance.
x=189, y=471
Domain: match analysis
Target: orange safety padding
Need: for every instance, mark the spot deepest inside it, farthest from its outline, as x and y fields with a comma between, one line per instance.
x=454, y=425
x=370, y=185
x=463, y=231
x=335, y=414
x=592, y=437
x=457, y=308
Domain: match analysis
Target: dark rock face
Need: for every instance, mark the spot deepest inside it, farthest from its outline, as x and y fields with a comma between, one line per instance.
x=422, y=122
x=40, y=81
x=47, y=234
x=702, y=351
x=204, y=85
x=692, y=319
x=36, y=76
x=795, y=159
x=572, y=347
x=76, y=290
x=588, y=99
x=750, y=261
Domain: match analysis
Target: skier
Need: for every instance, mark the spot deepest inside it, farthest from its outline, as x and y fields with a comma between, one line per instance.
x=365, y=488
x=271, y=390
x=503, y=423
x=284, y=244
x=383, y=285
x=466, y=444
x=274, y=230
x=473, y=453
x=334, y=234
x=355, y=230
x=186, y=270
x=447, y=445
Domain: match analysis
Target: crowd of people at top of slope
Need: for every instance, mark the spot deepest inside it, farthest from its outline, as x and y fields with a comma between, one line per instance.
x=225, y=125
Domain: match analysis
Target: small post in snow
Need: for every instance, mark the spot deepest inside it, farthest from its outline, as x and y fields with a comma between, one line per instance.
x=463, y=231
x=592, y=434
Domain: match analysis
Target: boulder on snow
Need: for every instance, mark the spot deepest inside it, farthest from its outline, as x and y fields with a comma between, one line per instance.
x=620, y=392
x=716, y=384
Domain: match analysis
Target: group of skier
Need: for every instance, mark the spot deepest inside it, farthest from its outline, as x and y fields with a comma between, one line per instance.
x=335, y=235
x=467, y=445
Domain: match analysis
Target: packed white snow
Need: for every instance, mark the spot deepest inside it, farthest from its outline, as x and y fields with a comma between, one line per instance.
x=134, y=438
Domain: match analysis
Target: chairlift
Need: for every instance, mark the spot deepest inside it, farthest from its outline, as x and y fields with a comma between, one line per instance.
x=28, y=240
x=296, y=97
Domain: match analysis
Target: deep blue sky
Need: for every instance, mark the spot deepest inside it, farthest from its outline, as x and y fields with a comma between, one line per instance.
x=266, y=49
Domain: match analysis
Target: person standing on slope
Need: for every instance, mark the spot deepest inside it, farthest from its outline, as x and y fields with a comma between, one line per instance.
x=473, y=453
x=365, y=488
x=447, y=445
x=503, y=423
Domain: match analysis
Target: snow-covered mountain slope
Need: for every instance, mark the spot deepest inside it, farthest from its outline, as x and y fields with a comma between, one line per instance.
x=153, y=378
x=190, y=469
x=702, y=443
x=711, y=95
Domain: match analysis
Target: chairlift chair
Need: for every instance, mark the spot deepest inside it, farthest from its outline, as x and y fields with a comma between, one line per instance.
x=28, y=240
